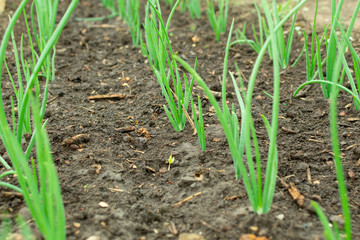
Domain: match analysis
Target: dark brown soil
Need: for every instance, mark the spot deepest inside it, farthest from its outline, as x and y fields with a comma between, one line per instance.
x=129, y=171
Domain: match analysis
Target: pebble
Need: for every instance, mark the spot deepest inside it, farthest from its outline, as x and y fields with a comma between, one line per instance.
x=93, y=238
x=190, y=236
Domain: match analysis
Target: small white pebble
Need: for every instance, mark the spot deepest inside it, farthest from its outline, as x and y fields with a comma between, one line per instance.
x=103, y=204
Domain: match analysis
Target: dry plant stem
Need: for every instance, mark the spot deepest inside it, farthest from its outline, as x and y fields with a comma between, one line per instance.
x=186, y=199
x=186, y=114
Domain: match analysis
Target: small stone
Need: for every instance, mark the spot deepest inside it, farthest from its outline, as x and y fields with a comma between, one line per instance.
x=190, y=236
x=93, y=238
x=254, y=228
x=76, y=225
x=103, y=204
x=280, y=217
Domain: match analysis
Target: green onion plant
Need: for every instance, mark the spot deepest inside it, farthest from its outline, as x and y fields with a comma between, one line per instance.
x=121, y=8
x=258, y=41
x=218, y=20
x=118, y=10
x=332, y=52
x=332, y=232
x=109, y=4
x=169, y=2
x=132, y=18
x=199, y=123
x=160, y=55
x=313, y=55
x=242, y=138
x=38, y=182
x=283, y=47
x=194, y=7
x=46, y=11
x=6, y=229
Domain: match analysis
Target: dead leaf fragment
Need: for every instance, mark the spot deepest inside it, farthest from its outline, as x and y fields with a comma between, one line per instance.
x=342, y=114
x=150, y=169
x=125, y=129
x=76, y=139
x=103, y=204
x=353, y=119
x=216, y=139
x=195, y=39
x=351, y=174
x=252, y=237
x=2, y=6
x=104, y=97
x=173, y=228
x=296, y=195
x=115, y=190
x=98, y=168
x=287, y=130
x=144, y=132
x=348, y=105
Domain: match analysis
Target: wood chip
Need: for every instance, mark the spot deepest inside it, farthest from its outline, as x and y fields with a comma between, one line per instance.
x=150, y=169
x=288, y=130
x=10, y=194
x=125, y=129
x=173, y=228
x=186, y=199
x=314, y=140
x=115, y=190
x=104, y=97
x=76, y=139
x=353, y=119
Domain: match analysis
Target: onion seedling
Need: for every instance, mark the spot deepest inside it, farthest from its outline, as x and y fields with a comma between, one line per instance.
x=46, y=11
x=218, y=21
x=258, y=41
x=109, y=4
x=6, y=228
x=331, y=44
x=239, y=137
x=169, y=2
x=313, y=55
x=199, y=123
x=121, y=8
x=165, y=68
x=332, y=233
x=132, y=18
x=194, y=7
x=171, y=160
x=355, y=86
x=38, y=183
